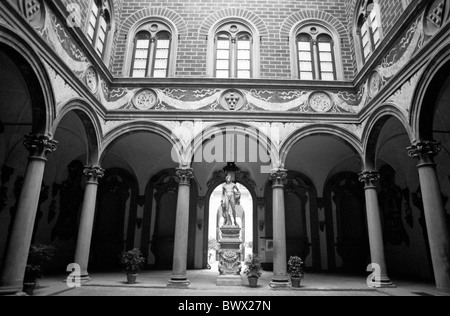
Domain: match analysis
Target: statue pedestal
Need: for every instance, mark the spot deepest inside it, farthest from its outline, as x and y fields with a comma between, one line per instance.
x=230, y=257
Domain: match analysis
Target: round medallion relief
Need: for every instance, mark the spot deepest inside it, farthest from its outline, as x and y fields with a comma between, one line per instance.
x=232, y=100
x=145, y=100
x=320, y=102
x=34, y=12
x=375, y=83
x=435, y=16
x=91, y=79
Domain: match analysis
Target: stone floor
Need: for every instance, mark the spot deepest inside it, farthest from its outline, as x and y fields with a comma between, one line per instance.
x=203, y=283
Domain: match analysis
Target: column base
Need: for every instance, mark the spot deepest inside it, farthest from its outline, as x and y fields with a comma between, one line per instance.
x=11, y=290
x=280, y=283
x=443, y=291
x=383, y=282
x=178, y=282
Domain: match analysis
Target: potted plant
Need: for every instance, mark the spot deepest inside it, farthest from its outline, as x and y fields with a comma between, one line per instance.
x=254, y=270
x=132, y=262
x=38, y=257
x=296, y=270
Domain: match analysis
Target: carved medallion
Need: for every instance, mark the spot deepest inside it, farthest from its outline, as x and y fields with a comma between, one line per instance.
x=91, y=79
x=375, y=83
x=320, y=102
x=436, y=15
x=145, y=100
x=34, y=12
x=232, y=100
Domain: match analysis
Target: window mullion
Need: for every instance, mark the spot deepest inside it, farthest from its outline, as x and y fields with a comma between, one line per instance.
x=233, y=59
x=152, y=58
x=315, y=60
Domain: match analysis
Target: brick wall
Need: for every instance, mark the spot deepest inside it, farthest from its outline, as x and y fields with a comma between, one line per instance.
x=275, y=51
x=391, y=10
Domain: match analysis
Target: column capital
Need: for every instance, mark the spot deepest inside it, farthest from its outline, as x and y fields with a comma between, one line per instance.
x=369, y=178
x=278, y=177
x=39, y=145
x=185, y=175
x=425, y=151
x=93, y=173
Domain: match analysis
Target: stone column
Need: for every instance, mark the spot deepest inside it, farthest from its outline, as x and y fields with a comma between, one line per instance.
x=435, y=214
x=14, y=264
x=93, y=174
x=280, y=277
x=381, y=279
x=179, y=276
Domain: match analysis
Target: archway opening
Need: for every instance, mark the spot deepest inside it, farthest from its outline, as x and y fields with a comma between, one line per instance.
x=324, y=197
x=244, y=213
x=401, y=208
x=18, y=117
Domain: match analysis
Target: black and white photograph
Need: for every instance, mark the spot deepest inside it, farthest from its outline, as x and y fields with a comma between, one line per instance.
x=224, y=155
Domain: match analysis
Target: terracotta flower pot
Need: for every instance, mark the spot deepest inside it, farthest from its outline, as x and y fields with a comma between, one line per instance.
x=253, y=282
x=296, y=282
x=131, y=278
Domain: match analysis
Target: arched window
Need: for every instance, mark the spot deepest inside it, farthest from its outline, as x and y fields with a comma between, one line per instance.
x=151, y=54
x=369, y=28
x=233, y=52
x=99, y=26
x=315, y=54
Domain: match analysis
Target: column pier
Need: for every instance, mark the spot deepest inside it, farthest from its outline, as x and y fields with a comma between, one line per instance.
x=14, y=264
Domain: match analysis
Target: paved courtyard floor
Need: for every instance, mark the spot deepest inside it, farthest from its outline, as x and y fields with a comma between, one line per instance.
x=203, y=283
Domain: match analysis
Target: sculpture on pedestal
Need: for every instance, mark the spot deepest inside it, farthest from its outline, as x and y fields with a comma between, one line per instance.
x=230, y=254
x=230, y=198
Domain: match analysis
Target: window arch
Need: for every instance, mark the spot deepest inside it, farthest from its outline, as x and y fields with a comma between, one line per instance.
x=234, y=51
x=368, y=30
x=152, y=47
x=99, y=27
x=316, y=53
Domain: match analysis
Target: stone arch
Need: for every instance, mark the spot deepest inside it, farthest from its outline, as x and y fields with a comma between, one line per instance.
x=291, y=21
x=243, y=14
x=38, y=81
x=91, y=123
x=421, y=115
x=373, y=129
x=173, y=20
x=136, y=127
x=343, y=135
x=209, y=131
x=161, y=12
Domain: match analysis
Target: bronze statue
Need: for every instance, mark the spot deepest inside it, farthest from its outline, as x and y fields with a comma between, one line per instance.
x=230, y=198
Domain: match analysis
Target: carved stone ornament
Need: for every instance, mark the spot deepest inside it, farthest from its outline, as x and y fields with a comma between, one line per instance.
x=230, y=262
x=34, y=12
x=320, y=102
x=375, y=83
x=94, y=173
x=145, y=100
x=91, y=78
x=185, y=176
x=425, y=152
x=39, y=145
x=279, y=177
x=435, y=16
x=369, y=178
x=232, y=100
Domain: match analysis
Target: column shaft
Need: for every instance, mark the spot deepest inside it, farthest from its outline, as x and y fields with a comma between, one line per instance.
x=435, y=214
x=87, y=220
x=280, y=276
x=179, y=274
x=377, y=254
x=14, y=265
